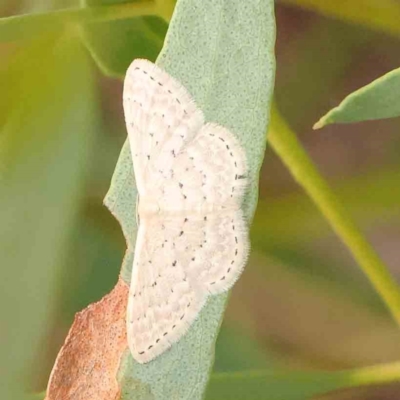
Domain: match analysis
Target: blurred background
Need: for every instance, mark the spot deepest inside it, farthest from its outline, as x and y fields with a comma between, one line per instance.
x=302, y=301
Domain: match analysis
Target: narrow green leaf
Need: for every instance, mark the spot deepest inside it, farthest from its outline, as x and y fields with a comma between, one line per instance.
x=140, y=37
x=222, y=51
x=295, y=385
x=286, y=145
x=377, y=100
x=45, y=142
x=28, y=25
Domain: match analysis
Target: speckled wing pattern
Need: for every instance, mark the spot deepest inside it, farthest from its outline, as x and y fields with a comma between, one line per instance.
x=192, y=240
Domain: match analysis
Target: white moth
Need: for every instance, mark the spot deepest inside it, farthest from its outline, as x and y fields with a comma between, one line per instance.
x=192, y=240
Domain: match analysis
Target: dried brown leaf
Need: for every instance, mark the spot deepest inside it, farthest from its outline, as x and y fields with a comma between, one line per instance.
x=87, y=364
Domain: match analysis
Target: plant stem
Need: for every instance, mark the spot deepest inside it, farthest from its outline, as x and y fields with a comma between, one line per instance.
x=288, y=148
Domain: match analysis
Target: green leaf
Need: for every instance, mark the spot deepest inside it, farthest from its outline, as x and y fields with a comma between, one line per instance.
x=70, y=20
x=286, y=145
x=140, y=37
x=295, y=385
x=377, y=100
x=222, y=52
x=18, y=27
x=45, y=142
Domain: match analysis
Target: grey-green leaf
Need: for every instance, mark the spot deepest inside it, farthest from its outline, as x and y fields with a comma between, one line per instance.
x=222, y=51
x=377, y=100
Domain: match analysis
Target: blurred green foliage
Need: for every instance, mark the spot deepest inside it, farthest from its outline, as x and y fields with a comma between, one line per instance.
x=301, y=302
x=43, y=164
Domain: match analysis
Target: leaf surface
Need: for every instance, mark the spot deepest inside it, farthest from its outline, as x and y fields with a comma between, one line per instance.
x=222, y=52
